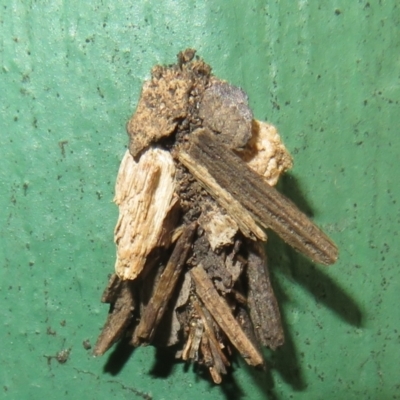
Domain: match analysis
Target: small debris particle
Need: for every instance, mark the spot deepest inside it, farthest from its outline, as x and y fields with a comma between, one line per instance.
x=62, y=145
x=51, y=331
x=86, y=344
x=63, y=355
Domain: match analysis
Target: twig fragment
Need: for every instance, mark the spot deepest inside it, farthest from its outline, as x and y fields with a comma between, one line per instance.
x=242, y=217
x=219, y=357
x=266, y=205
x=261, y=300
x=120, y=294
x=165, y=287
x=223, y=316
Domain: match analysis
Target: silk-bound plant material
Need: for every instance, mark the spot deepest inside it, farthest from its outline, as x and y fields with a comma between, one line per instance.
x=195, y=192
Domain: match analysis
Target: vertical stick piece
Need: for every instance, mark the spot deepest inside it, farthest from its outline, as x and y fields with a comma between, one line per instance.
x=165, y=287
x=261, y=300
x=222, y=314
x=220, y=360
x=145, y=194
x=120, y=294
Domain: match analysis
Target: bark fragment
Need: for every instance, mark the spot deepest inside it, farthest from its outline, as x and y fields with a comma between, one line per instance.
x=219, y=358
x=151, y=122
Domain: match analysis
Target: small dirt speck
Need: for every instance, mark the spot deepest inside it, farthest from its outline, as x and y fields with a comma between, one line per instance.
x=51, y=331
x=86, y=344
x=63, y=355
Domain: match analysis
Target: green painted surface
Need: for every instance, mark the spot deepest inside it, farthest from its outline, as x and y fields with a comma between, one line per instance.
x=326, y=73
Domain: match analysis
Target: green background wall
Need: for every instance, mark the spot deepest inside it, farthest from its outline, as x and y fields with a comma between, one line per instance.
x=326, y=73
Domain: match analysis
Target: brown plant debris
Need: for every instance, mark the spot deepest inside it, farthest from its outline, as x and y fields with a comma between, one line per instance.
x=195, y=191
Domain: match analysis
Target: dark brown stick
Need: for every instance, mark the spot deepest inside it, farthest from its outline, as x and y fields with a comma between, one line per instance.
x=269, y=208
x=243, y=317
x=120, y=294
x=165, y=287
x=222, y=314
x=261, y=300
x=220, y=359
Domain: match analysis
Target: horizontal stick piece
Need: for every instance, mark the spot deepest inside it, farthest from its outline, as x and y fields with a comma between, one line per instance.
x=222, y=314
x=267, y=206
x=165, y=287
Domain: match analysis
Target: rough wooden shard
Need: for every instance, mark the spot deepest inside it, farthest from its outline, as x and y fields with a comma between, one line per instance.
x=242, y=217
x=165, y=286
x=229, y=174
x=222, y=314
x=167, y=99
x=150, y=122
x=145, y=194
x=262, y=304
x=213, y=356
x=118, y=293
x=169, y=330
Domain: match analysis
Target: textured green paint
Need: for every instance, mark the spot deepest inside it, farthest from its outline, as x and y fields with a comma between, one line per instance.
x=326, y=73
